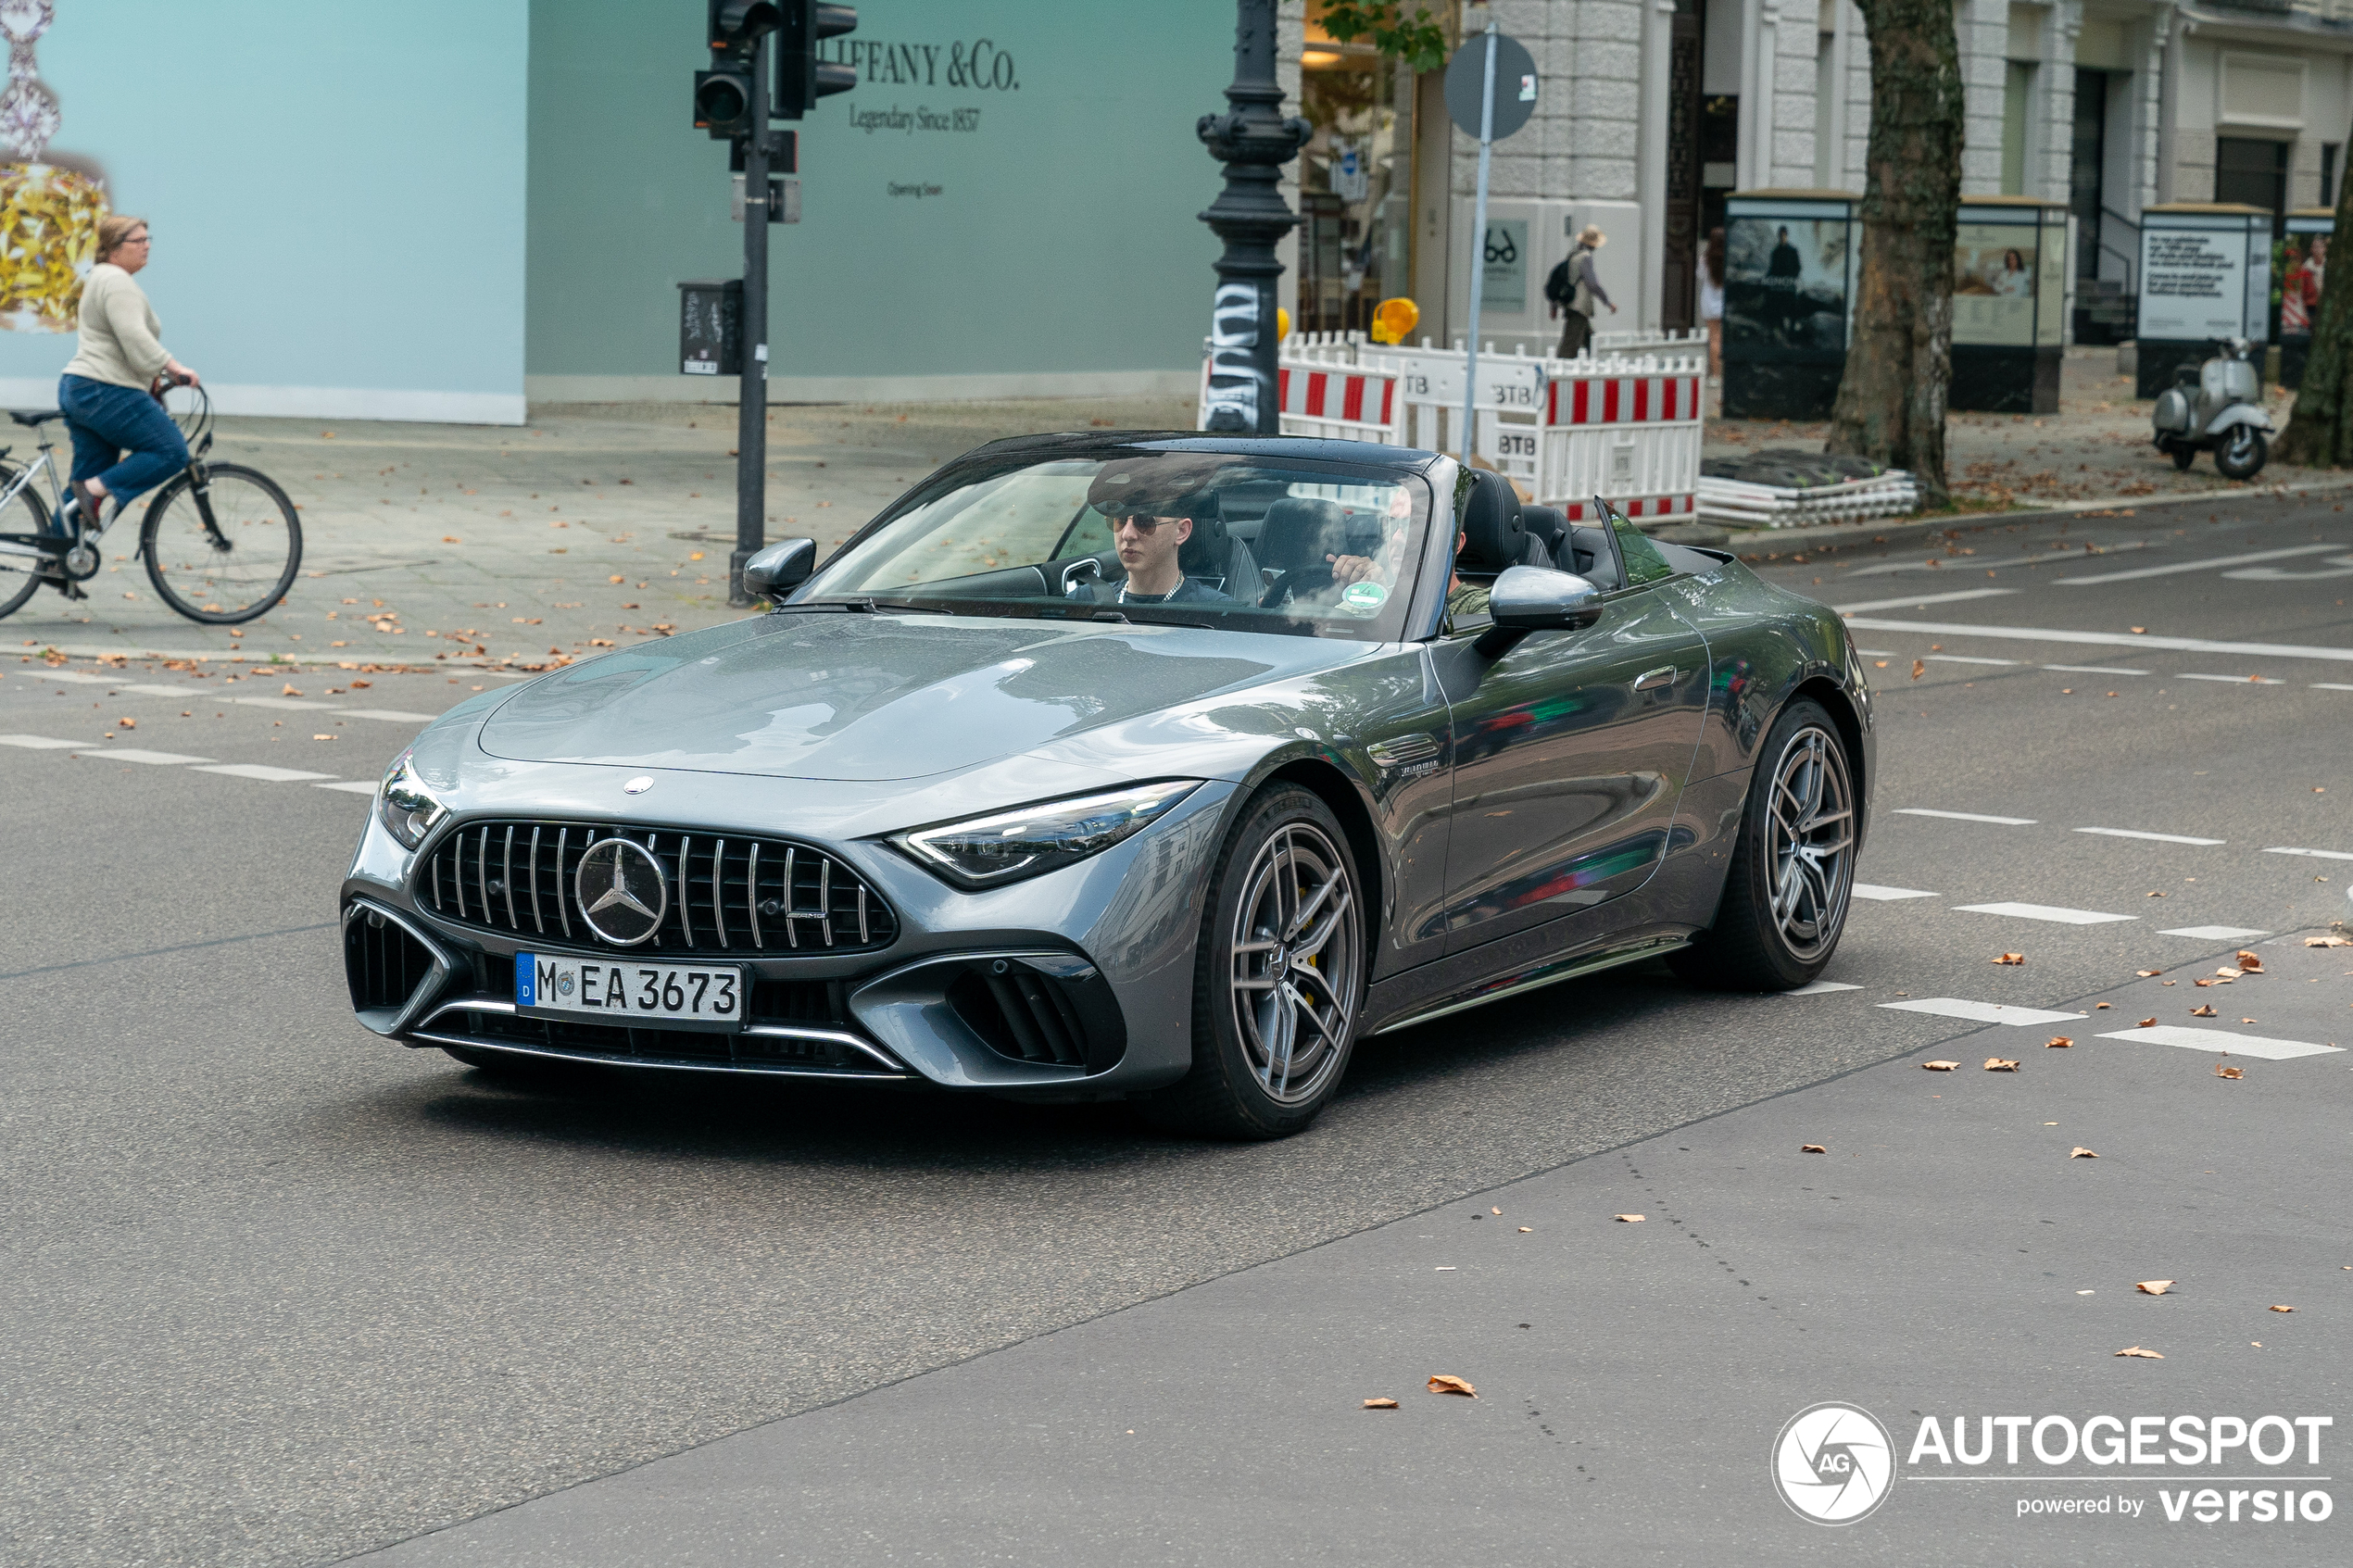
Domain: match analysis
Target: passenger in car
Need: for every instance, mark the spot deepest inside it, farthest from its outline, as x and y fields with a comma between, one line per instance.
x=1465, y=602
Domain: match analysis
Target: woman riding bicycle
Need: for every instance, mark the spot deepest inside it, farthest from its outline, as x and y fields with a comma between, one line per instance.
x=124, y=444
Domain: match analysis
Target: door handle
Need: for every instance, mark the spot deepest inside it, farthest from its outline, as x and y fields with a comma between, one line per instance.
x=1664, y=675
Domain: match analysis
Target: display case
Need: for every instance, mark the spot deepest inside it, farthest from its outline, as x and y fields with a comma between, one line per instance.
x=1790, y=264
x=2204, y=273
x=2009, y=305
x=2303, y=258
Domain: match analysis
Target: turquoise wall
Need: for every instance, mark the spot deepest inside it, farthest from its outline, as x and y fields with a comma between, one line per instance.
x=1056, y=231
x=337, y=191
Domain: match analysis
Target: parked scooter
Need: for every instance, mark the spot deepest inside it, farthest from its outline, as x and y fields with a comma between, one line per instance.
x=2218, y=408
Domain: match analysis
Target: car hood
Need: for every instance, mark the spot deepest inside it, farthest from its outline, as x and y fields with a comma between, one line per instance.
x=862, y=696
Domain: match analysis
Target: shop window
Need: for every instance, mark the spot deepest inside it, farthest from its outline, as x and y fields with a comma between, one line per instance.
x=1356, y=179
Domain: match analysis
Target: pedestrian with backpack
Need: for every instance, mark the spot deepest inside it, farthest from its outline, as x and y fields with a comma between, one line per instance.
x=1573, y=288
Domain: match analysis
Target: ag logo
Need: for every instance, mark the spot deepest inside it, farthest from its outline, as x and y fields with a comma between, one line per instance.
x=1833, y=1463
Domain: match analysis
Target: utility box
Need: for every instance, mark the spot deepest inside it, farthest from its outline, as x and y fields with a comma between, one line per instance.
x=711, y=339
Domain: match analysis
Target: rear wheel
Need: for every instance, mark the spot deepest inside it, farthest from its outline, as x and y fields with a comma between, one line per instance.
x=25, y=513
x=1278, y=978
x=1792, y=872
x=228, y=566
x=2242, y=453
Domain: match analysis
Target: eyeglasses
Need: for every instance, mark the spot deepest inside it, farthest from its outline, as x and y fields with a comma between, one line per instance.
x=1142, y=524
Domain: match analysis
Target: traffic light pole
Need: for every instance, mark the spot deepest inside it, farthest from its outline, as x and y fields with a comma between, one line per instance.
x=751, y=399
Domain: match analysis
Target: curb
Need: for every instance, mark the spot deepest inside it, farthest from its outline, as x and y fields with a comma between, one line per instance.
x=1828, y=537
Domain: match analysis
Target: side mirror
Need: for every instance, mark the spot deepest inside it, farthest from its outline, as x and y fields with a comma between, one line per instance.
x=1530, y=599
x=784, y=565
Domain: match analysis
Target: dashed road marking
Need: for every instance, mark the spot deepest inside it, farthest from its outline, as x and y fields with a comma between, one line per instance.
x=263, y=771
x=2216, y=563
x=2093, y=669
x=392, y=715
x=1821, y=988
x=2103, y=639
x=1965, y=817
x=133, y=754
x=2160, y=837
x=2220, y=1040
x=351, y=786
x=2051, y=913
x=1878, y=894
x=2042, y=560
x=39, y=742
x=2330, y=686
x=2215, y=933
x=1924, y=599
x=1982, y=1012
x=2312, y=854
x=277, y=702
x=1964, y=658
x=2237, y=680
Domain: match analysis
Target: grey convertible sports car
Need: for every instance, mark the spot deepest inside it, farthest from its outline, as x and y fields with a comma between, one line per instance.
x=1119, y=764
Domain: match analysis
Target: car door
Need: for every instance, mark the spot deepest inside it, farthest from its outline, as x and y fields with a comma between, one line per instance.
x=1568, y=754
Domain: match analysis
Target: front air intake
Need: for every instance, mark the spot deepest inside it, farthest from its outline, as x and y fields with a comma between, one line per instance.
x=1042, y=1010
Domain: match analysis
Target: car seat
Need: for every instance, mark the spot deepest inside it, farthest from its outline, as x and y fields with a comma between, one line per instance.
x=1294, y=539
x=1495, y=531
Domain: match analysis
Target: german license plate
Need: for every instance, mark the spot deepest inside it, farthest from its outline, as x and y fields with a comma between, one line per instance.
x=675, y=995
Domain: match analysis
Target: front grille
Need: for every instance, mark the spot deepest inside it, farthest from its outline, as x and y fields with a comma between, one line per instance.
x=620, y=1043
x=383, y=964
x=728, y=894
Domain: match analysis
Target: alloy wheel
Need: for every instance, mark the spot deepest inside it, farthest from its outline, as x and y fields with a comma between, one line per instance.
x=1296, y=946
x=1811, y=840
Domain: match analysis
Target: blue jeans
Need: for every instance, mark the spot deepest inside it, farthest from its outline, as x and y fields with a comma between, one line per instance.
x=106, y=420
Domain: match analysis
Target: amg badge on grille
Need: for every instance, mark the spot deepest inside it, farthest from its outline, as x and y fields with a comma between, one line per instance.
x=621, y=891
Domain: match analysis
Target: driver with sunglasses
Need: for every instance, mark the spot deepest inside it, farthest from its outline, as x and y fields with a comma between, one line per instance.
x=1150, y=523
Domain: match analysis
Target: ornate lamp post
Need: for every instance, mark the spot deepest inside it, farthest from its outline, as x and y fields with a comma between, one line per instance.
x=1254, y=140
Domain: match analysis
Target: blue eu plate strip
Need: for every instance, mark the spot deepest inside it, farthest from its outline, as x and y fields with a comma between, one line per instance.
x=523, y=977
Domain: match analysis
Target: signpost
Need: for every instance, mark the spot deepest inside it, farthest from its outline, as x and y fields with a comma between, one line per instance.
x=1472, y=102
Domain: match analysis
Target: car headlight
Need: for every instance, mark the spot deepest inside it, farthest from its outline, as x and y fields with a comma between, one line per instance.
x=408, y=809
x=1008, y=846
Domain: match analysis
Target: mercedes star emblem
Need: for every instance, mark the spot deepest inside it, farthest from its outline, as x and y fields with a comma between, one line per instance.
x=621, y=891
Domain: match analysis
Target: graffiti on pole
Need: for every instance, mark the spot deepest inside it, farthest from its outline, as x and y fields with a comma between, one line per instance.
x=1235, y=383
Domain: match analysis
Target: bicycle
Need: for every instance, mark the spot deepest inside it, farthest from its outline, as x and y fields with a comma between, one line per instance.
x=221, y=541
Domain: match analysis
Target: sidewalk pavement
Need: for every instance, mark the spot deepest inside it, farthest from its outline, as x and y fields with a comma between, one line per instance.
x=600, y=525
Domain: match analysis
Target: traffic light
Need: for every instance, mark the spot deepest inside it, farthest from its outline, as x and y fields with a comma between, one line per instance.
x=723, y=94
x=802, y=78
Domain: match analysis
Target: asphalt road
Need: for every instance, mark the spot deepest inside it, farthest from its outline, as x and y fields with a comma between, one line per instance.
x=276, y=1292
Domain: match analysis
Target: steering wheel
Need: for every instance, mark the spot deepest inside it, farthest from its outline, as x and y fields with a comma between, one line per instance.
x=1297, y=585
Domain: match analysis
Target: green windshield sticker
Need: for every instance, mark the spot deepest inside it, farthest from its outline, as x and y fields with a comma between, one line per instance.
x=1363, y=598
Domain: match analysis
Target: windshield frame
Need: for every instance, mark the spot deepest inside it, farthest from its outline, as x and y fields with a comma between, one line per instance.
x=1430, y=474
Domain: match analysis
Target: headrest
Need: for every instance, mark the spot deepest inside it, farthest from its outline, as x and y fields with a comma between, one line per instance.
x=1548, y=523
x=1298, y=534
x=1205, y=551
x=1168, y=486
x=1494, y=535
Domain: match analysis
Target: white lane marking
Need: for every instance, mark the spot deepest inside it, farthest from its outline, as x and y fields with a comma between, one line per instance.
x=2215, y=933
x=39, y=742
x=392, y=715
x=277, y=702
x=75, y=677
x=2160, y=837
x=2215, y=563
x=2220, y=1040
x=133, y=754
x=2330, y=686
x=1965, y=658
x=2091, y=669
x=1965, y=817
x=263, y=771
x=2042, y=560
x=2051, y=913
x=351, y=786
x=1887, y=895
x=2315, y=854
x=1982, y=1012
x=2237, y=680
x=2343, y=564
x=1877, y=653
x=1925, y=599
x=2108, y=639
x=1821, y=988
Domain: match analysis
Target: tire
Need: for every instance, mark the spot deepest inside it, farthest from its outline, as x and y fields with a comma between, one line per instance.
x=237, y=575
x=2242, y=453
x=25, y=513
x=1278, y=979
x=2183, y=456
x=1754, y=946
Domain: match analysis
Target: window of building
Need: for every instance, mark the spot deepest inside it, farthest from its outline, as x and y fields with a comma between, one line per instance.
x=1356, y=179
x=2017, y=92
x=2328, y=173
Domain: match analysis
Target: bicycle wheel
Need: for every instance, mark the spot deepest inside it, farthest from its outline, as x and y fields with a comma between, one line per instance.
x=223, y=553
x=25, y=513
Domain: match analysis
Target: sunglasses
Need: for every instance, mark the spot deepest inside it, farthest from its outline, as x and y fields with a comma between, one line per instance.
x=1141, y=523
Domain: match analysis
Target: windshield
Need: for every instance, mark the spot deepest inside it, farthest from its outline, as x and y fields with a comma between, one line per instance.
x=1222, y=540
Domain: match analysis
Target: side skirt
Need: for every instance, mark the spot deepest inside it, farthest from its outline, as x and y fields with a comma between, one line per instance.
x=1550, y=972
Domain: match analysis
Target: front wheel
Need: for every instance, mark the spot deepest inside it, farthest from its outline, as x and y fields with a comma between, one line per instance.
x=1278, y=978
x=225, y=551
x=2242, y=453
x=1785, y=899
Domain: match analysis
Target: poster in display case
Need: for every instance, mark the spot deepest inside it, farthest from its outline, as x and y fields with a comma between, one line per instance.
x=2009, y=305
x=2205, y=274
x=1790, y=265
x=2303, y=262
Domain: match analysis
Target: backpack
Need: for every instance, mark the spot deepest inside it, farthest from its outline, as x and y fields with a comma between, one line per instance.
x=1559, y=285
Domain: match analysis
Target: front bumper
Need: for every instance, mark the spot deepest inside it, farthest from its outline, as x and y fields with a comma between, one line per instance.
x=1076, y=984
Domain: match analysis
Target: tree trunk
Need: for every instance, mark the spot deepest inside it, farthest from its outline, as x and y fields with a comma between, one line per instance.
x=2320, y=433
x=1899, y=359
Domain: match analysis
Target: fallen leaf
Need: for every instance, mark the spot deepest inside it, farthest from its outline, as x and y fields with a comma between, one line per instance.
x=2223, y=1071
x=1494, y=1210
x=2146, y=1023
x=1627, y=1218
x=361, y=686
x=2080, y=1153
x=2057, y=1043
x=2149, y=973
x=1811, y=1148
x=616, y=578
x=2227, y=973
x=1919, y=668
x=2283, y=1309
x=2156, y=895
x=2137, y=1351
x=451, y=539
x=1879, y=663
x=128, y=722
x=2102, y=1007
x=2140, y=630
x=2329, y=941
x=2201, y=983
x=2205, y=1009
x=2249, y=963
x=2247, y=1021
x=1526, y=1229
x=2000, y=1065
x=1940, y=1066
x=1441, y=1384
x=2011, y=959
x=2154, y=1287
x=697, y=556
x=1380, y=1404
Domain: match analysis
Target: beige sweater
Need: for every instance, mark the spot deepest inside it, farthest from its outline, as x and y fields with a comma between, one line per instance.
x=121, y=337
